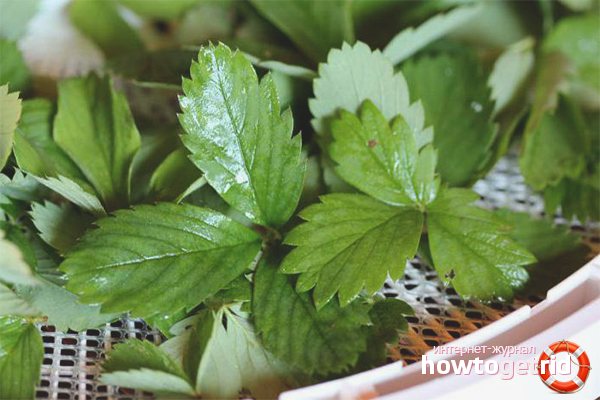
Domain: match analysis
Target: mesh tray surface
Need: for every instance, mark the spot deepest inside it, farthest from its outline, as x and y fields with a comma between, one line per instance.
x=72, y=360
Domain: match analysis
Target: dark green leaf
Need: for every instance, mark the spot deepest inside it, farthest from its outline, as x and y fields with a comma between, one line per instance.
x=287, y=321
x=159, y=259
x=142, y=365
x=239, y=138
x=382, y=160
x=314, y=26
x=387, y=316
x=59, y=225
x=541, y=237
x=10, y=112
x=555, y=148
x=351, y=242
x=95, y=128
x=470, y=248
x=21, y=355
x=464, y=132
x=173, y=176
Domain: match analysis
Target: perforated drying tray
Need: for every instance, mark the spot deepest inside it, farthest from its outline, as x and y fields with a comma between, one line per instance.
x=72, y=360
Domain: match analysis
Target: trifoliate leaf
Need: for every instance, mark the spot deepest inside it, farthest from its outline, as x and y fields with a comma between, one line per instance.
x=578, y=38
x=13, y=71
x=239, y=138
x=62, y=308
x=143, y=365
x=338, y=88
x=59, y=225
x=173, y=176
x=13, y=265
x=13, y=304
x=314, y=26
x=470, y=249
x=351, y=242
x=383, y=160
x=95, y=128
x=234, y=359
x=411, y=40
x=21, y=355
x=159, y=259
x=10, y=112
x=464, y=133
x=555, y=149
x=75, y=193
x=510, y=73
x=541, y=237
x=287, y=321
x=102, y=22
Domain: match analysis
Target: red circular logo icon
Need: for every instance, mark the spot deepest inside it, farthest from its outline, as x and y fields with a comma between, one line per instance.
x=578, y=357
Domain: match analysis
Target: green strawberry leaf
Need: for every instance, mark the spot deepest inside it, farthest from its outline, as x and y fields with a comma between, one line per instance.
x=10, y=112
x=214, y=354
x=510, y=73
x=578, y=38
x=541, y=237
x=12, y=304
x=101, y=21
x=239, y=138
x=576, y=197
x=35, y=150
x=314, y=26
x=59, y=225
x=287, y=321
x=470, y=248
x=464, y=133
x=61, y=307
x=337, y=88
x=142, y=365
x=173, y=177
x=95, y=129
x=13, y=71
x=159, y=9
x=15, y=265
x=351, y=242
x=410, y=40
x=388, y=318
x=234, y=359
x=21, y=355
x=556, y=148
x=75, y=193
x=383, y=160
x=159, y=259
